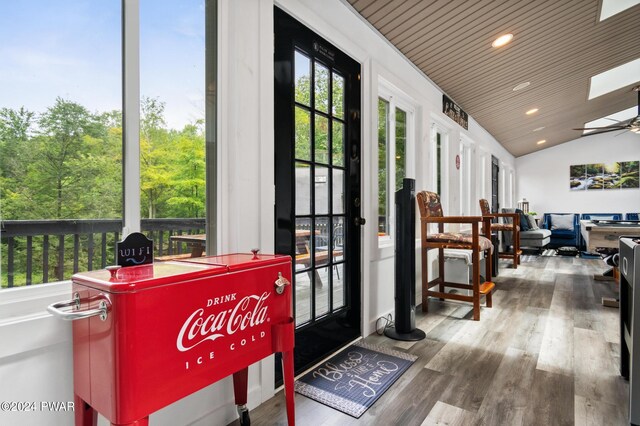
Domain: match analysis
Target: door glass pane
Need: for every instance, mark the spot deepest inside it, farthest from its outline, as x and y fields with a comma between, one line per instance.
x=321, y=90
x=303, y=84
x=321, y=141
x=338, y=287
x=337, y=143
x=322, y=291
x=303, y=298
x=322, y=244
x=303, y=243
x=338, y=239
x=322, y=190
x=338, y=96
x=338, y=191
x=303, y=134
x=401, y=142
x=303, y=188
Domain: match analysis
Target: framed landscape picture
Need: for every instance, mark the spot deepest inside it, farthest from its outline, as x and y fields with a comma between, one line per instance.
x=616, y=175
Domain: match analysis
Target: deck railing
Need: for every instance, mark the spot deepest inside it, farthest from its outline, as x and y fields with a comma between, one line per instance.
x=41, y=251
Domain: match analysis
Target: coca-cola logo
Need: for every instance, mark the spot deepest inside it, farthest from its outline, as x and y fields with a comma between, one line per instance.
x=250, y=311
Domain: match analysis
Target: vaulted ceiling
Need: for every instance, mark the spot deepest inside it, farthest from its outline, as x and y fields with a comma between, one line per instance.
x=557, y=47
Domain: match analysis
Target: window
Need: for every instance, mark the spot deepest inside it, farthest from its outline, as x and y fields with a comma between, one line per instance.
x=467, y=191
x=394, y=147
x=383, y=168
x=172, y=82
x=60, y=138
x=61, y=132
x=439, y=148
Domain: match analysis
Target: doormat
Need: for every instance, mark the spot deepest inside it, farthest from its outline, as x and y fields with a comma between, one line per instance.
x=354, y=379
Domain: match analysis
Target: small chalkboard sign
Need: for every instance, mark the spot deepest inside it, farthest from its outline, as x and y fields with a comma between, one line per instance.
x=454, y=112
x=136, y=249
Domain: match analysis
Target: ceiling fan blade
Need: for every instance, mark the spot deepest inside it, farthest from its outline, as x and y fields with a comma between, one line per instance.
x=604, y=130
x=613, y=127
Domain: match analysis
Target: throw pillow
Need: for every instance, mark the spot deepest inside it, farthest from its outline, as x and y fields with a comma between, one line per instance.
x=532, y=222
x=524, y=222
x=562, y=222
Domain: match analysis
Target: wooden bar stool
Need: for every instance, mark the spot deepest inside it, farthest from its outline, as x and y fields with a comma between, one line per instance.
x=431, y=212
x=513, y=227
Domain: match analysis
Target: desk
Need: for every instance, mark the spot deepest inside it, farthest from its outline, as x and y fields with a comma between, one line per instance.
x=197, y=242
x=605, y=233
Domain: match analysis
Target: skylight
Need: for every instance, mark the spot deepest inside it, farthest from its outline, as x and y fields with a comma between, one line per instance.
x=612, y=7
x=611, y=119
x=614, y=79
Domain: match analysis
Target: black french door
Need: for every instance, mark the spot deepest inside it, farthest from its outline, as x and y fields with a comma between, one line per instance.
x=317, y=166
x=495, y=184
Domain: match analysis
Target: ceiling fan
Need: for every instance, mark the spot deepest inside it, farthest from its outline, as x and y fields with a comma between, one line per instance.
x=632, y=124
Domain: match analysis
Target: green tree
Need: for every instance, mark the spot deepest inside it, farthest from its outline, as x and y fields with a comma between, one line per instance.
x=155, y=155
x=15, y=128
x=187, y=197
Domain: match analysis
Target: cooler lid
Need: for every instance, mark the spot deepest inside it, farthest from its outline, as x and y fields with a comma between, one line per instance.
x=134, y=278
x=241, y=261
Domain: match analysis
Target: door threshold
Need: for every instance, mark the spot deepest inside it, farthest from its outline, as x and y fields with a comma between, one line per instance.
x=296, y=377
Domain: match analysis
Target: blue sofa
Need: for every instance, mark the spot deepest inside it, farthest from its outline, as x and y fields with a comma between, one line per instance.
x=562, y=237
x=601, y=216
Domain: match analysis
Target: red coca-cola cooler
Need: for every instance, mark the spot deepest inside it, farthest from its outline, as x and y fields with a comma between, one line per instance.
x=146, y=336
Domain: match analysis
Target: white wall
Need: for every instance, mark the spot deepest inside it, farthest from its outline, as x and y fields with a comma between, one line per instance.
x=543, y=176
x=35, y=353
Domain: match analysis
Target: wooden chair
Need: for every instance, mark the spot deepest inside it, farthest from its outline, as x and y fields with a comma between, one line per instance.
x=513, y=227
x=431, y=212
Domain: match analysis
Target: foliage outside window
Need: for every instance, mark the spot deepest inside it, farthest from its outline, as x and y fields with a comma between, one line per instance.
x=392, y=160
x=383, y=165
x=60, y=134
x=61, y=130
x=401, y=143
x=172, y=140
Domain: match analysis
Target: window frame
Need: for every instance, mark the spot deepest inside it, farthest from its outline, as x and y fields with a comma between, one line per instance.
x=467, y=171
x=131, y=96
x=438, y=127
x=396, y=99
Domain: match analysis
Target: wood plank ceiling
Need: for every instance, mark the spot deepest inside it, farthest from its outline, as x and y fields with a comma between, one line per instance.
x=557, y=47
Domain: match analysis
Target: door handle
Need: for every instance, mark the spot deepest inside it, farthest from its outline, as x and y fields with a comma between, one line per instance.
x=359, y=221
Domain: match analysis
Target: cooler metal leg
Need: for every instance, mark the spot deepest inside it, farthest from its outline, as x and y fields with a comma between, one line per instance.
x=142, y=422
x=283, y=341
x=240, y=389
x=287, y=374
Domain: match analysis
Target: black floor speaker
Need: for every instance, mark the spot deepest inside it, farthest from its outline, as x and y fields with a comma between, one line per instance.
x=405, y=266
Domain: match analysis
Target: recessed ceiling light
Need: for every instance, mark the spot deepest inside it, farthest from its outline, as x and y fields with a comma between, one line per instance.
x=521, y=86
x=538, y=129
x=541, y=142
x=502, y=40
x=532, y=111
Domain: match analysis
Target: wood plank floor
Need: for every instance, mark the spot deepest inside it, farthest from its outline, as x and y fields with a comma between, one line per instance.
x=547, y=353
